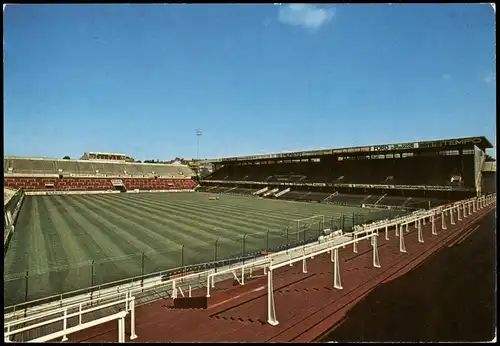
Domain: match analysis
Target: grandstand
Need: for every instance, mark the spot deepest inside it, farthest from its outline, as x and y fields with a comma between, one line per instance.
x=413, y=175
x=34, y=174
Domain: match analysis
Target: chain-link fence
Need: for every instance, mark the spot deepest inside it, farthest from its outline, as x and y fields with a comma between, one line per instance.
x=32, y=285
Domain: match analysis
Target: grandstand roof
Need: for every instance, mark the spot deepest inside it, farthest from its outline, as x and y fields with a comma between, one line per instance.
x=445, y=144
x=86, y=161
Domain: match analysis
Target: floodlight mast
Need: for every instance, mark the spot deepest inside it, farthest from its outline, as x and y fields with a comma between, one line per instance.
x=198, y=135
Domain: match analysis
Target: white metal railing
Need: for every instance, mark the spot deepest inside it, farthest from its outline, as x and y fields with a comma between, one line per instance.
x=128, y=300
x=371, y=231
x=211, y=276
x=115, y=287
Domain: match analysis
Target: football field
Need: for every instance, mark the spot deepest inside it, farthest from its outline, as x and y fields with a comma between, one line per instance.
x=69, y=242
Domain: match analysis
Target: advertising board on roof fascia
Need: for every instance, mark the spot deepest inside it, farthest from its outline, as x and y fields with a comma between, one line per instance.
x=452, y=142
x=350, y=150
x=399, y=146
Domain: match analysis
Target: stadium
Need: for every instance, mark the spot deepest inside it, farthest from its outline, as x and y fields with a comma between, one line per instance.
x=87, y=242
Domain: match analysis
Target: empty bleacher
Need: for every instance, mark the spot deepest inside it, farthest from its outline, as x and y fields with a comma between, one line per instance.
x=243, y=191
x=347, y=200
x=414, y=170
x=81, y=175
x=30, y=166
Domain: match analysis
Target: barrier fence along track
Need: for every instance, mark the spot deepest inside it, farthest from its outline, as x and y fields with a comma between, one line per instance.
x=31, y=285
x=330, y=243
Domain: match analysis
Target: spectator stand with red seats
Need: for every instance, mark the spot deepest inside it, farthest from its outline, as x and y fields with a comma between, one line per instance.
x=33, y=174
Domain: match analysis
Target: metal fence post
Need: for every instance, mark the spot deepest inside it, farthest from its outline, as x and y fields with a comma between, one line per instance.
x=142, y=269
x=243, y=249
x=92, y=282
x=215, y=254
x=287, y=238
x=182, y=258
x=26, y=293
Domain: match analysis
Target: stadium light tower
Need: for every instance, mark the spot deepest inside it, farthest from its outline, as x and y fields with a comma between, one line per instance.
x=198, y=135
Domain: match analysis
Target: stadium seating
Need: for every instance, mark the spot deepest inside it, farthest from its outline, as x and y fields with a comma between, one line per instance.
x=96, y=184
x=415, y=170
x=71, y=175
x=95, y=168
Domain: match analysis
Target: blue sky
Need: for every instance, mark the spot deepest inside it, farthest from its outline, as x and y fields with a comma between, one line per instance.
x=140, y=79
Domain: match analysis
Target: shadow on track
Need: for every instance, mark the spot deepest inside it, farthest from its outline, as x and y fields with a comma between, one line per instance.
x=450, y=297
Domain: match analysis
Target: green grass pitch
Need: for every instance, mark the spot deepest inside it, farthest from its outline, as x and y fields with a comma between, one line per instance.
x=58, y=237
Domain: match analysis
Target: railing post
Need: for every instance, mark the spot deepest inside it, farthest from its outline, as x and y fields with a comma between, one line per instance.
x=65, y=325
x=386, y=232
x=420, y=236
x=376, y=261
x=355, y=244
x=271, y=311
x=337, y=283
x=208, y=286
x=80, y=313
x=132, y=319
x=121, y=330
x=433, y=221
x=402, y=247
x=304, y=263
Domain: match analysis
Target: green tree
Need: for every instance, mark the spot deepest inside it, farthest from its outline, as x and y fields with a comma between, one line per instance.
x=66, y=158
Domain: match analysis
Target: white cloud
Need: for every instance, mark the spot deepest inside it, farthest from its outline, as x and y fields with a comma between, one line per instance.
x=305, y=15
x=491, y=78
